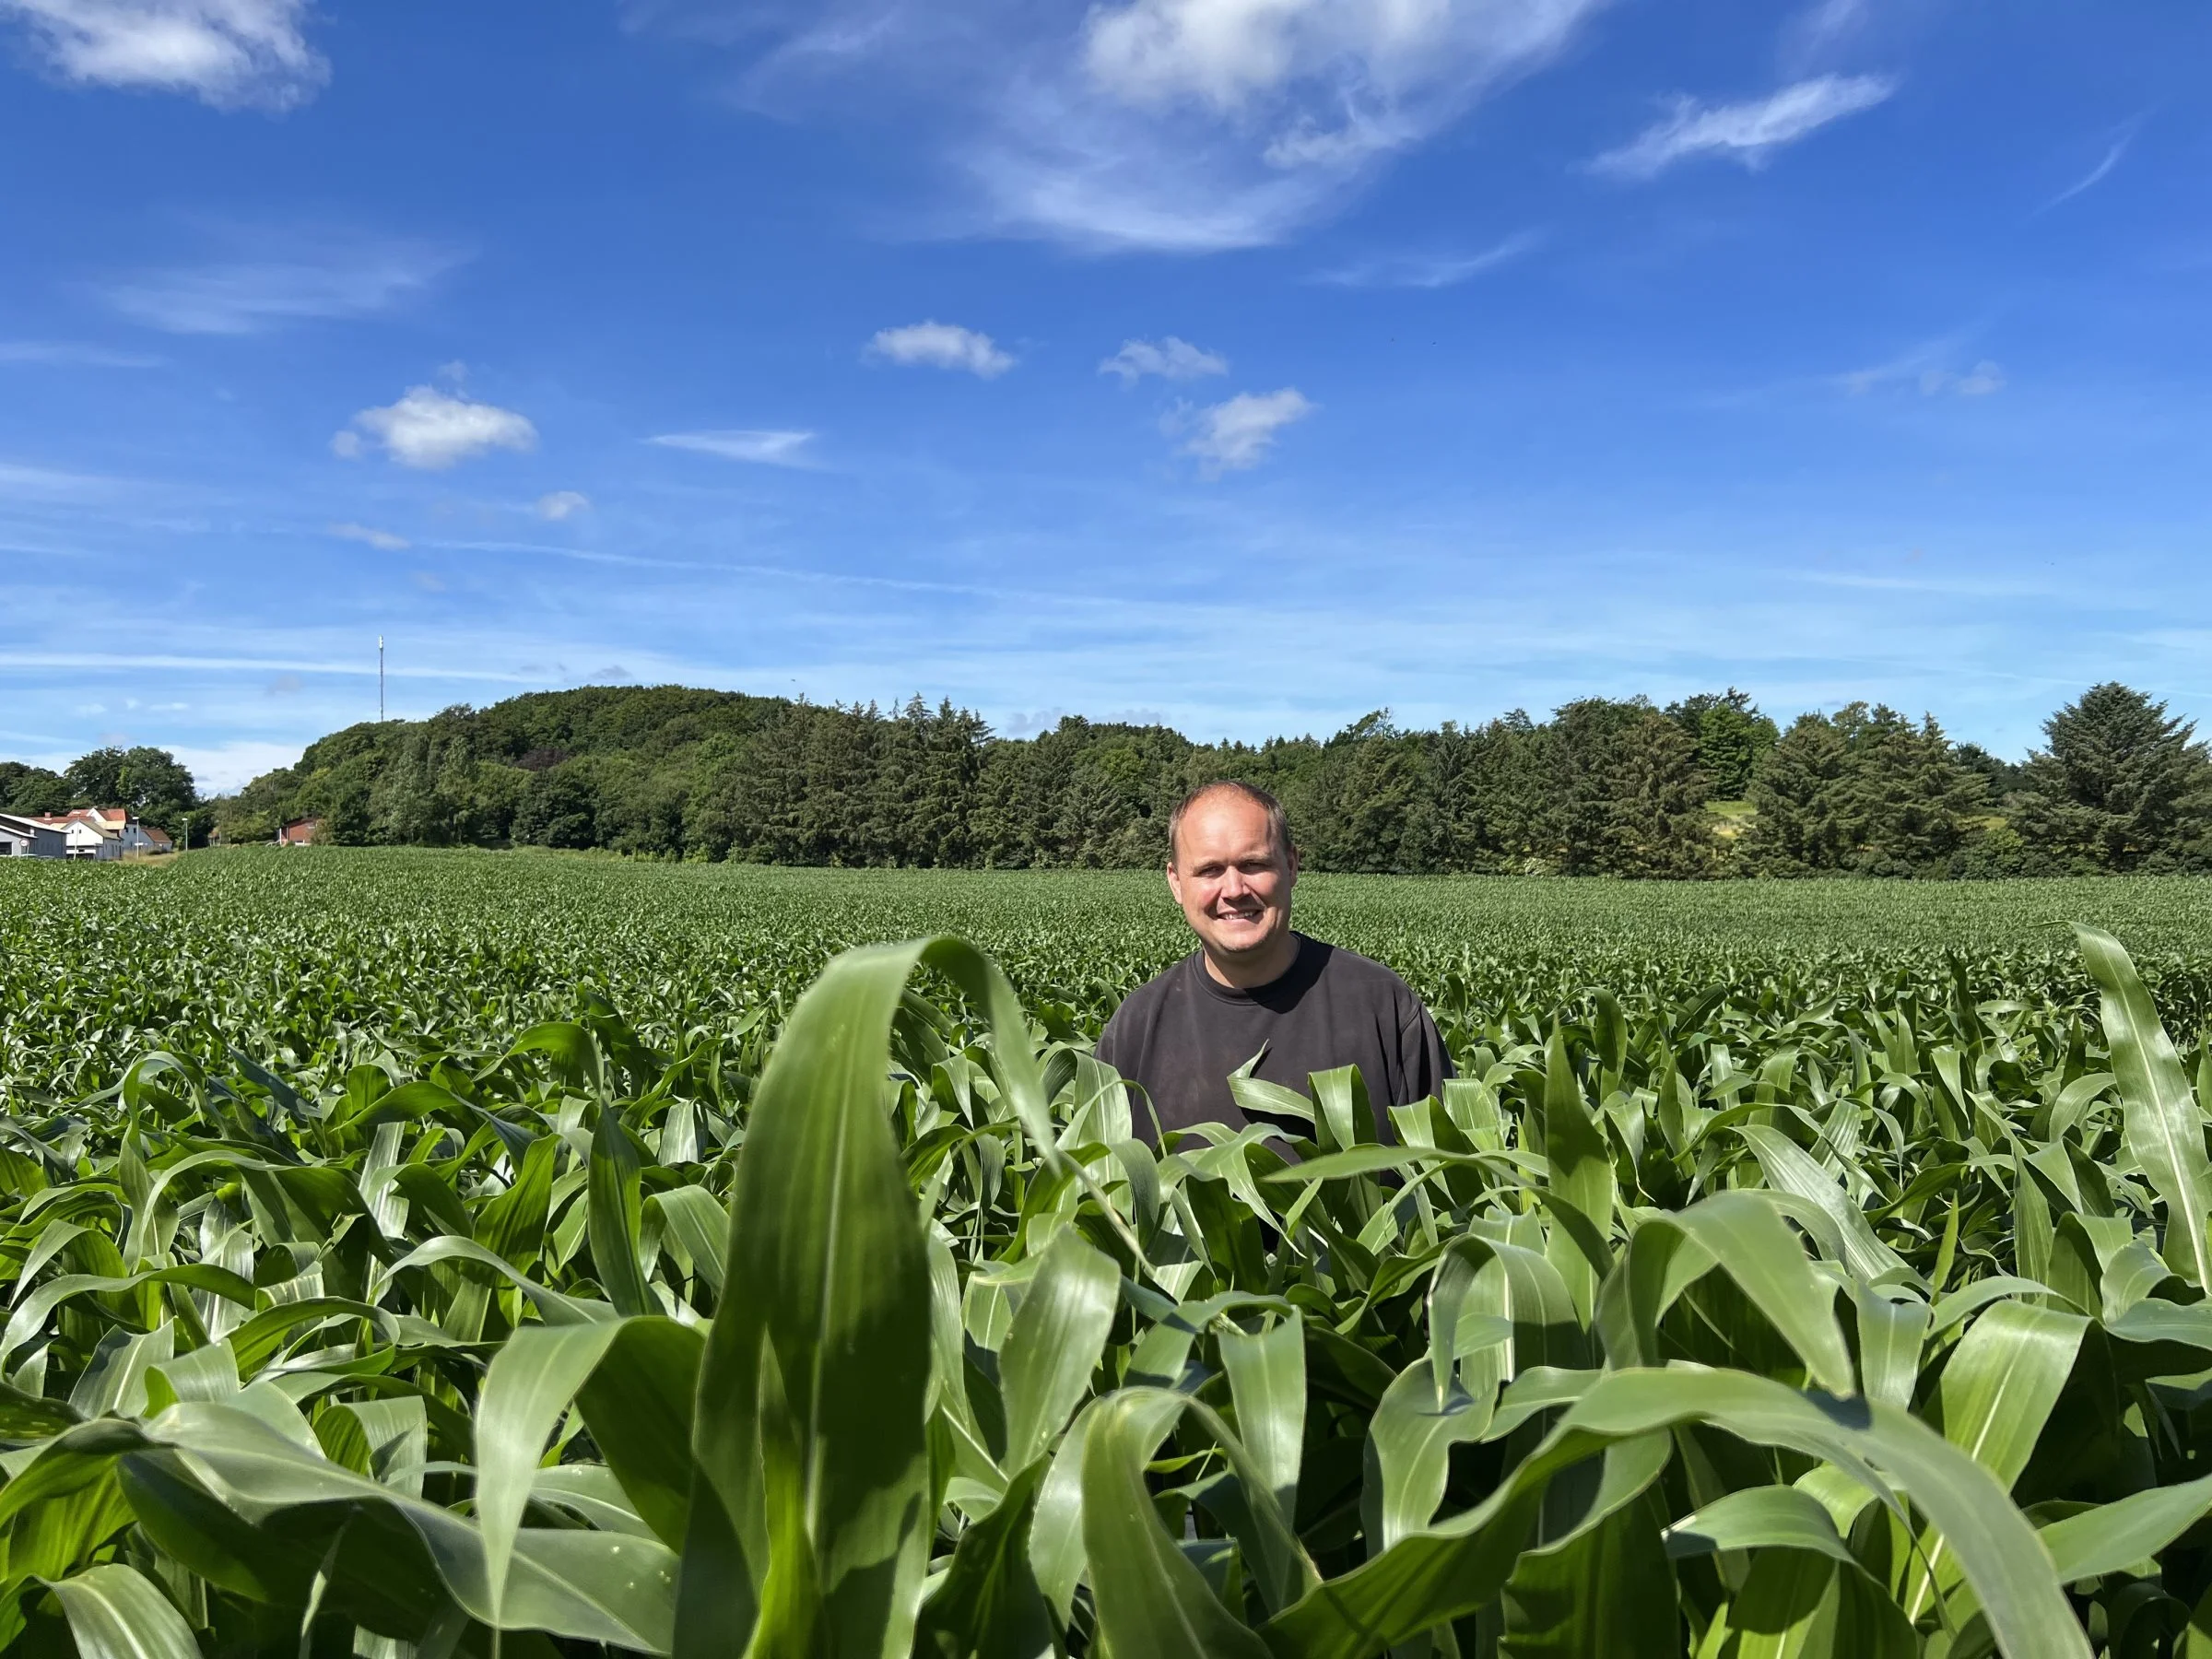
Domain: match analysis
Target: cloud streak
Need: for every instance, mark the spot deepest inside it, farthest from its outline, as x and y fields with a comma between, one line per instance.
x=2104, y=168
x=1172, y=125
x=287, y=279
x=1430, y=270
x=134, y=661
x=68, y=354
x=760, y=448
x=1171, y=359
x=1748, y=132
x=384, y=541
x=1927, y=368
x=229, y=53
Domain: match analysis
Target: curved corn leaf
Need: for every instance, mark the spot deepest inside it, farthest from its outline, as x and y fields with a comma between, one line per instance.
x=115, y=1614
x=1059, y=1331
x=2165, y=1127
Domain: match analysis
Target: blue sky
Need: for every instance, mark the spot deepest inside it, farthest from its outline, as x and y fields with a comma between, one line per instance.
x=1246, y=364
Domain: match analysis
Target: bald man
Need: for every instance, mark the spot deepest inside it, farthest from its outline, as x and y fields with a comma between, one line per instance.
x=1254, y=986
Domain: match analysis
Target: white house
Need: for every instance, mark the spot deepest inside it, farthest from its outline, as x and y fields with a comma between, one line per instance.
x=28, y=838
x=105, y=832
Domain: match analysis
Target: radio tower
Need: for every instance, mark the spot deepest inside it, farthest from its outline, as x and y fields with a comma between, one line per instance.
x=380, y=679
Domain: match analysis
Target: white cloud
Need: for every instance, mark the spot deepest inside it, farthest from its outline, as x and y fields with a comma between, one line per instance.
x=430, y=430
x=220, y=768
x=231, y=54
x=1231, y=55
x=2114, y=154
x=1171, y=359
x=1430, y=270
x=66, y=354
x=50, y=484
x=1746, y=131
x=561, y=504
x=768, y=449
x=1980, y=381
x=284, y=278
x=1814, y=33
x=1232, y=436
x=383, y=540
x=1927, y=367
x=941, y=346
x=1181, y=125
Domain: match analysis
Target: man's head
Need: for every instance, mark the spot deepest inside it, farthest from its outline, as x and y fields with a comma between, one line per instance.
x=1231, y=865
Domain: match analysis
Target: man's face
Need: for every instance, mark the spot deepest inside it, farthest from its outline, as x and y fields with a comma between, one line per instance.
x=1232, y=880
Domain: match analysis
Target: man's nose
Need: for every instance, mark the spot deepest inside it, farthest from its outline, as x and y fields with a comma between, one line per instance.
x=1233, y=884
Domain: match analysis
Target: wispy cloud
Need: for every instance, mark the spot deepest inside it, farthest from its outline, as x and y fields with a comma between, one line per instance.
x=1178, y=126
x=152, y=660
x=219, y=768
x=1238, y=434
x=1430, y=270
x=284, y=279
x=764, y=448
x=1928, y=369
x=68, y=354
x=18, y=482
x=941, y=346
x=1749, y=133
x=562, y=504
x=385, y=541
x=229, y=53
x=431, y=430
x=1171, y=359
x=1980, y=380
x=2115, y=153
x=1817, y=32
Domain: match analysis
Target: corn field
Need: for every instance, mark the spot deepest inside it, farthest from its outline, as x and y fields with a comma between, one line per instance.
x=420, y=1254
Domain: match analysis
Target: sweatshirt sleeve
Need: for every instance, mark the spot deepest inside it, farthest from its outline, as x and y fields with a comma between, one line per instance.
x=1112, y=1046
x=1421, y=1054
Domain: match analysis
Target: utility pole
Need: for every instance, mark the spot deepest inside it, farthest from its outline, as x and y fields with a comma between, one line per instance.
x=380, y=679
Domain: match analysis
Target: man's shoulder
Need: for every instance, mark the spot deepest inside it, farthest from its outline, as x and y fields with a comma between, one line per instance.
x=1145, y=1001
x=1349, y=967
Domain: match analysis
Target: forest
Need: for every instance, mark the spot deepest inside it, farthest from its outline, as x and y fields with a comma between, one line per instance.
x=1707, y=786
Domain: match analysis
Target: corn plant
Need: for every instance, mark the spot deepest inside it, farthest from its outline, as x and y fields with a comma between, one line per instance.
x=1703, y=1320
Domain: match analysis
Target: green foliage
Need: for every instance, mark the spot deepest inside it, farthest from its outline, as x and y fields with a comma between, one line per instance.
x=533, y=1256
x=1732, y=736
x=1602, y=788
x=1863, y=791
x=31, y=789
x=150, y=783
x=2122, y=786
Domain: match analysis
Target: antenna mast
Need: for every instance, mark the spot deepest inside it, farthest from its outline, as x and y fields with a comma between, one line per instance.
x=380, y=679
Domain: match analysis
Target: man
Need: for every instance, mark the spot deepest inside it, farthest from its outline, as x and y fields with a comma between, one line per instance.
x=1255, y=987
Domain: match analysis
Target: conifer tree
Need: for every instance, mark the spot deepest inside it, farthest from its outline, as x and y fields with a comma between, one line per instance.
x=2121, y=786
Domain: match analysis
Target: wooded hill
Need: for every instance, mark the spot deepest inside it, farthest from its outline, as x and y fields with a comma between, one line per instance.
x=1602, y=787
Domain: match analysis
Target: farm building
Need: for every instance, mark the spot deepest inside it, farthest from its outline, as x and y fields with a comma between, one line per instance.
x=300, y=832
x=29, y=838
x=103, y=832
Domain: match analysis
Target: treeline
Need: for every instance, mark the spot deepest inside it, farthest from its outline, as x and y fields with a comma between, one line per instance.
x=1708, y=787
x=150, y=783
